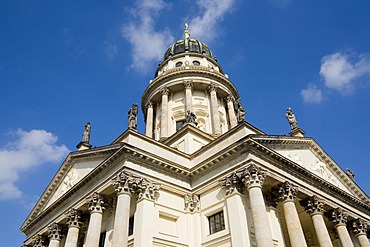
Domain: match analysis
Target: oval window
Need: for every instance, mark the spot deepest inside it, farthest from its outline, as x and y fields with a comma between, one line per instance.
x=178, y=64
x=196, y=63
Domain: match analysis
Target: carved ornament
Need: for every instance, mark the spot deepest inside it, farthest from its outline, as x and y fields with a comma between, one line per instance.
x=313, y=205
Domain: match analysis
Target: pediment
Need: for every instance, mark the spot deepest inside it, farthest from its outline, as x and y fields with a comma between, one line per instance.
x=306, y=153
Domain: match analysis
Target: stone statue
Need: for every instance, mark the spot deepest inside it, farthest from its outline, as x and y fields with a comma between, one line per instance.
x=350, y=174
x=86, y=134
x=240, y=112
x=132, y=117
x=191, y=118
x=291, y=118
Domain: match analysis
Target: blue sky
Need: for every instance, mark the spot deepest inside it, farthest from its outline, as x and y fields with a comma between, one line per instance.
x=63, y=63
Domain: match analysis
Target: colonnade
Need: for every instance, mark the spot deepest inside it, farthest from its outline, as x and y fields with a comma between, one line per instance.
x=188, y=88
x=126, y=185
x=252, y=179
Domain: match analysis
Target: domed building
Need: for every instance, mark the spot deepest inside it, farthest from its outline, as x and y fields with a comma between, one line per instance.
x=200, y=175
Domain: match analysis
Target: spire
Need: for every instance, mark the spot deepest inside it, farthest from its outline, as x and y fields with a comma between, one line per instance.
x=186, y=32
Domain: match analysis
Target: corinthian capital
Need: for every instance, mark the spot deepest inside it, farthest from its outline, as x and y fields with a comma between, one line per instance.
x=212, y=87
x=232, y=183
x=284, y=192
x=165, y=91
x=55, y=231
x=149, y=104
x=124, y=182
x=188, y=84
x=146, y=188
x=38, y=241
x=253, y=176
x=359, y=227
x=96, y=203
x=191, y=202
x=339, y=217
x=74, y=218
x=229, y=98
x=313, y=205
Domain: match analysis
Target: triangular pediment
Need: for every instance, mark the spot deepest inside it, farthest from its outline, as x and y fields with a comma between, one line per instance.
x=306, y=153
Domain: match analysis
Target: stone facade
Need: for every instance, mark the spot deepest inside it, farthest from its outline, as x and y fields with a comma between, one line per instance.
x=217, y=182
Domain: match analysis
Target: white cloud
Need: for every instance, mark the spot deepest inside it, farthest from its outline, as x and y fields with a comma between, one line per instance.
x=27, y=150
x=110, y=50
x=204, y=27
x=340, y=71
x=311, y=94
x=147, y=44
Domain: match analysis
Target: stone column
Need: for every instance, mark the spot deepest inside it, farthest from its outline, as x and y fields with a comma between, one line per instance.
x=55, y=235
x=149, y=120
x=359, y=228
x=144, y=216
x=188, y=85
x=124, y=186
x=74, y=224
x=253, y=179
x=286, y=194
x=38, y=241
x=231, y=111
x=192, y=208
x=96, y=205
x=164, y=114
x=339, y=218
x=315, y=207
x=214, y=109
x=236, y=209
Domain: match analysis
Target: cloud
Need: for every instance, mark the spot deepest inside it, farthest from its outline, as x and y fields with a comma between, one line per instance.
x=110, y=50
x=311, y=94
x=341, y=71
x=27, y=150
x=147, y=44
x=204, y=27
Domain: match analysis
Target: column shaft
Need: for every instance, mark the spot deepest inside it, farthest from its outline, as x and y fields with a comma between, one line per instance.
x=238, y=220
x=321, y=230
x=260, y=219
x=293, y=224
x=362, y=239
x=231, y=112
x=121, y=220
x=214, y=111
x=188, y=96
x=164, y=113
x=54, y=243
x=94, y=229
x=344, y=236
x=72, y=236
x=144, y=219
x=149, y=121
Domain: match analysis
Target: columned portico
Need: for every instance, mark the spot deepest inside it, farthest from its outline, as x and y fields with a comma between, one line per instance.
x=96, y=205
x=164, y=112
x=74, y=224
x=253, y=179
x=231, y=111
x=315, y=207
x=339, y=218
x=214, y=109
x=359, y=228
x=188, y=85
x=123, y=184
x=286, y=194
x=55, y=235
x=149, y=119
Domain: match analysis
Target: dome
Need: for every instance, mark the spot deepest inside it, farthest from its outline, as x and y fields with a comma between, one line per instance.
x=188, y=45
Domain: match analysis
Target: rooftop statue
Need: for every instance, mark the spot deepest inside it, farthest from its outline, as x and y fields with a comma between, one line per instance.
x=191, y=117
x=291, y=118
x=240, y=112
x=132, y=117
x=86, y=133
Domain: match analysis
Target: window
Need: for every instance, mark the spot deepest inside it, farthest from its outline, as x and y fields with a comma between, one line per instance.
x=178, y=64
x=131, y=226
x=102, y=239
x=196, y=63
x=216, y=222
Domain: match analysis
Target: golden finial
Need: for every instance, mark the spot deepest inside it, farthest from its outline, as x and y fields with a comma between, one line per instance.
x=186, y=32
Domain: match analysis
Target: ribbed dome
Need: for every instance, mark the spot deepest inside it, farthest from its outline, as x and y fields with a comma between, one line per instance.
x=188, y=45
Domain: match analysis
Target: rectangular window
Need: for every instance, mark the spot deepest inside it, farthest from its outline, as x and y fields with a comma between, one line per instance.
x=131, y=226
x=102, y=239
x=216, y=222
